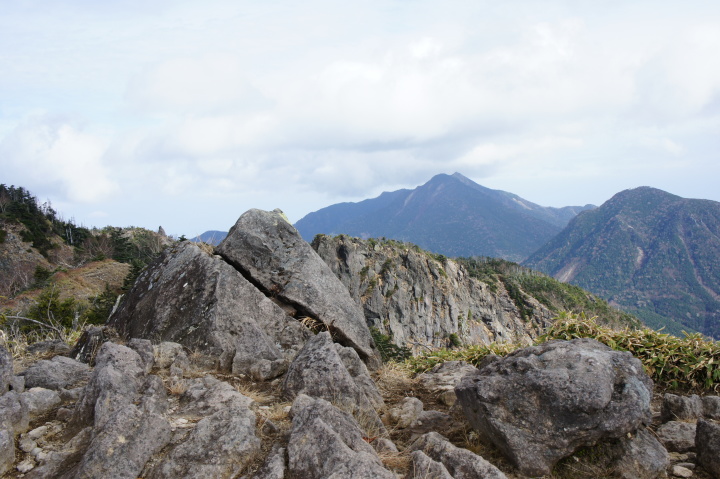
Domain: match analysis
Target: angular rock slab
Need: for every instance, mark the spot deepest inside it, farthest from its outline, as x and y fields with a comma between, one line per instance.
x=326, y=442
x=198, y=300
x=541, y=403
x=58, y=373
x=457, y=461
x=319, y=371
x=639, y=457
x=677, y=436
x=221, y=443
x=269, y=249
x=707, y=444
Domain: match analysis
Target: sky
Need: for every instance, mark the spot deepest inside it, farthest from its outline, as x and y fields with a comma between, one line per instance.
x=185, y=114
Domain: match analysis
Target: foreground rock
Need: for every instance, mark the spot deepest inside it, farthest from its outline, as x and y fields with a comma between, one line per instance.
x=707, y=442
x=190, y=297
x=541, y=403
x=268, y=249
x=221, y=443
x=456, y=461
x=326, y=442
x=320, y=371
x=58, y=373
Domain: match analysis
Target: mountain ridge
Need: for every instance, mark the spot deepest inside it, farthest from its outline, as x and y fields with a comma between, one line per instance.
x=449, y=214
x=649, y=251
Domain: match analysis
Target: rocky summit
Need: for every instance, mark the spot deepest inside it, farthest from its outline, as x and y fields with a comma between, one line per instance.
x=256, y=362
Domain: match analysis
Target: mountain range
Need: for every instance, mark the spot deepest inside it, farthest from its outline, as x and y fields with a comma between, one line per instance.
x=650, y=252
x=647, y=251
x=450, y=215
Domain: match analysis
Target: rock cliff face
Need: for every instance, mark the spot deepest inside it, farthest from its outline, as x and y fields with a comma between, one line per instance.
x=423, y=300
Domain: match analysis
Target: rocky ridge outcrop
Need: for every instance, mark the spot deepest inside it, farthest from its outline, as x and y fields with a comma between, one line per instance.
x=421, y=301
x=159, y=409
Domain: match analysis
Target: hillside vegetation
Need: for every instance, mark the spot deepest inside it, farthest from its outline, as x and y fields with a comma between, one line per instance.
x=689, y=363
x=56, y=276
x=652, y=253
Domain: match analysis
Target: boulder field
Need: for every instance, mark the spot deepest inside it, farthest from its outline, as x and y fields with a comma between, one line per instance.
x=257, y=362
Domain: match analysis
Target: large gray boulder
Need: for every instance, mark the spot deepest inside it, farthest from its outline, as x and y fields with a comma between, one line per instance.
x=678, y=408
x=707, y=443
x=319, y=371
x=326, y=442
x=267, y=248
x=114, y=384
x=198, y=300
x=221, y=443
x=460, y=463
x=541, y=403
x=58, y=373
x=120, y=449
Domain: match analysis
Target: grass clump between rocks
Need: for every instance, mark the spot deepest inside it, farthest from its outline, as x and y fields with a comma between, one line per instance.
x=690, y=363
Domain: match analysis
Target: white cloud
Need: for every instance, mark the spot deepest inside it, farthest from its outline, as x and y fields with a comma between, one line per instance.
x=309, y=104
x=52, y=152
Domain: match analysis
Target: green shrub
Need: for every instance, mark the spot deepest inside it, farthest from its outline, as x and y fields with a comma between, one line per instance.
x=388, y=350
x=689, y=363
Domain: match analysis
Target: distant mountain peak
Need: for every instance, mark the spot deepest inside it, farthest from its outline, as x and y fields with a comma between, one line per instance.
x=449, y=214
x=649, y=251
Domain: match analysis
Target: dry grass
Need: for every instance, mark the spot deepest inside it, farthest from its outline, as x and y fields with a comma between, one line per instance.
x=175, y=386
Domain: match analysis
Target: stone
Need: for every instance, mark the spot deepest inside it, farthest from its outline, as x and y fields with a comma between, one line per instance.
x=38, y=432
x=40, y=401
x=124, y=443
x=17, y=384
x=220, y=445
x=274, y=465
x=540, y=404
x=445, y=376
x=326, y=442
x=707, y=444
x=677, y=436
x=678, y=408
x=424, y=467
x=7, y=451
x=63, y=464
x=199, y=301
x=640, y=456
x=6, y=370
x=145, y=350
x=711, y=407
x=14, y=415
x=679, y=471
x=208, y=395
x=27, y=465
x=167, y=352
x=458, y=462
x=52, y=347
x=58, y=373
x=406, y=412
x=268, y=249
x=89, y=343
x=319, y=371
x=428, y=421
x=71, y=395
x=114, y=384
x=383, y=445
x=26, y=444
